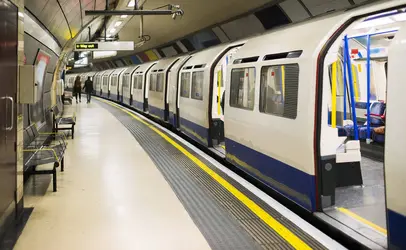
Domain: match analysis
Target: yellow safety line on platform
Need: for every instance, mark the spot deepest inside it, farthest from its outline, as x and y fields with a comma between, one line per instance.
x=334, y=95
x=359, y=218
x=285, y=233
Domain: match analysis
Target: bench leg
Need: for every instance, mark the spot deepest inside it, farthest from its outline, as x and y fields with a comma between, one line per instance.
x=54, y=179
x=63, y=164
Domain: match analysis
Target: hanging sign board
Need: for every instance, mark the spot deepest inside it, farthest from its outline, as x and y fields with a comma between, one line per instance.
x=86, y=46
x=104, y=46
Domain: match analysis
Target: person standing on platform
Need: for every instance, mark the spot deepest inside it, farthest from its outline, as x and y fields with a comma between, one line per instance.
x=88, y=88
x=77, y=88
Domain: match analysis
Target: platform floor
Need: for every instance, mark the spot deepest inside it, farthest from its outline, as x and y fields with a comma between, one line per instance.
x=131, y=185
x=111, y=196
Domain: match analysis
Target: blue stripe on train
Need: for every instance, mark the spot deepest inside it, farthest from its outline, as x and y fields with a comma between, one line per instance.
x=138, y=105
x=397, y=230
x=126, y=100
x=172, y=119
x=156, y=112
x=195, y=131
x=287, y=180
x=113, y=97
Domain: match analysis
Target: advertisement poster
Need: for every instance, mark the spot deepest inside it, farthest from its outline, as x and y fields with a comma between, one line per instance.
x=41, y=63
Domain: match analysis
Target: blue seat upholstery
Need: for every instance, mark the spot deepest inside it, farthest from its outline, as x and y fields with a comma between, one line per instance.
x=377, y=108
x=378, y=137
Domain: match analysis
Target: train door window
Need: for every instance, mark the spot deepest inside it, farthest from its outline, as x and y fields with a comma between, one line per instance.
x=114, y=81
x=152, y=82
x=279, y=90
x=242, y=89
x=126, y=78
x=185, y=84
x=135, y=85
x=139, y=81
x=197, y=85
x=160, y=82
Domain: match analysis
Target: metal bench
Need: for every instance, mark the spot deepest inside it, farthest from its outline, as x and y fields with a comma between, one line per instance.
x=41, y=149
x=67, y=99
x=59, y=120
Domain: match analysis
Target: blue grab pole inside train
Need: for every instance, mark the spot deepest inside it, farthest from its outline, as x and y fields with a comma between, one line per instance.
x=368, y=87
x=350, y=79
x=345, y=88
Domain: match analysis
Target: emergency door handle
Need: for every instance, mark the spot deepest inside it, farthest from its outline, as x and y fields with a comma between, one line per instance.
x=12, y=111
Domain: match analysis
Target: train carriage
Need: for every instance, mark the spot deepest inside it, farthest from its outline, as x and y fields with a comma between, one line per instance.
x=290, y=98
x=105, y=82
x=172, y=91
x=139, y=85
x=157, y=91
x=115, y=79
x=126, y=85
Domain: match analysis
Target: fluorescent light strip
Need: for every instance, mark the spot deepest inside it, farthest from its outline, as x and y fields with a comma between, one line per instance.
x=131, y=3
x=118, y=23
x=124, y=16
x=374, y=22
x=400, y=17
x=103, y=54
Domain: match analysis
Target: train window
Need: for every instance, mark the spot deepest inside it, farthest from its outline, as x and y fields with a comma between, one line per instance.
x=339, y=76
x=126, y=79
x=160, y=82
x=139, y=81
x=185, y=84
x=197, y=85
x=279, y=90
x=135, y=82
x=242, y=89
x=105, y=81
x=114, y=81
x=152, y=82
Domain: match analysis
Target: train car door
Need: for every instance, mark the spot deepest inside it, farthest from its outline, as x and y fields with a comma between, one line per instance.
x=8, y=93
x=218, y=94
x=395, y=157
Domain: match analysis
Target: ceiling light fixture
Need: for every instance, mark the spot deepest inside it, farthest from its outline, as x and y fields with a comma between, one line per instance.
x=118, y=23
x=400, y=17
x=374, y=22
x=124, y=16
x=112, y=30
x=131, y=3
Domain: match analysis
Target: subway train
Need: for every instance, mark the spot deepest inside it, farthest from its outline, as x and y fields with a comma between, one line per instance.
x=264, y=103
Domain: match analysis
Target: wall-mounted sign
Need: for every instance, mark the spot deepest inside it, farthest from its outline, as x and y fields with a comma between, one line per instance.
x=104, y=46
x=86, y=46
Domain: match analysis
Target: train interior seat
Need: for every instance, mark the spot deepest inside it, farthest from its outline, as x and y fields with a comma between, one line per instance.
x=377, y=114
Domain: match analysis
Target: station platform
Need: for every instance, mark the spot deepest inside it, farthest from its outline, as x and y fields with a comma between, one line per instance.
x=131, y=184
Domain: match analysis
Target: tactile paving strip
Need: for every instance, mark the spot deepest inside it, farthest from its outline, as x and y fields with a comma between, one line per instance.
x=225, y=222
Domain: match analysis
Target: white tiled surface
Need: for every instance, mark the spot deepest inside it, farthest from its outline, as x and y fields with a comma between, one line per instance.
x=111, y=196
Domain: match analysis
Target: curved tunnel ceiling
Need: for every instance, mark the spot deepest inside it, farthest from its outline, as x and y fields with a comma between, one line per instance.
x=227, y=19
x=65, y=18
x=198, y=15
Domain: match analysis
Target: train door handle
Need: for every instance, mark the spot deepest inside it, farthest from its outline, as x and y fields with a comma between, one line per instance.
x=12, y=111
